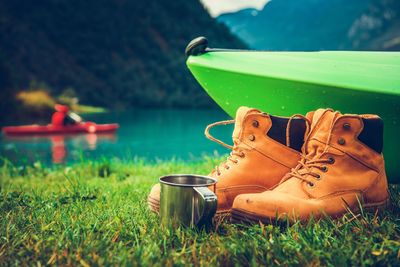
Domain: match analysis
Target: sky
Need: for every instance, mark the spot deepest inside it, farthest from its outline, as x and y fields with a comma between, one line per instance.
x=217, y=7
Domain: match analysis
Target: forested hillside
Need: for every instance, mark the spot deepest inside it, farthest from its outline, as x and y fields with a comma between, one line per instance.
x=112, y=53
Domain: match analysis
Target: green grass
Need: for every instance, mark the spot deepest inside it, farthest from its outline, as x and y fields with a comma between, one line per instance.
x=95, y=213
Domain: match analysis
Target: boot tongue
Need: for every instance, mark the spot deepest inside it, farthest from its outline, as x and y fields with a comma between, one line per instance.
x=241, y=115
x=322, y=123
x=321, y=127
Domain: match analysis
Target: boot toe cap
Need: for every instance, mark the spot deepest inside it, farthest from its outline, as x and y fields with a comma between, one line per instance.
x=270, y=205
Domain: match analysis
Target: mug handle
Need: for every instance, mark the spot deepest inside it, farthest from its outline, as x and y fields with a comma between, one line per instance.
x=209, y=204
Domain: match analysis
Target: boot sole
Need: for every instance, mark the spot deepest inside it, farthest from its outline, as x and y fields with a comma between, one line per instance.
x=154, y=206
x=243, y=216
x=378, y=207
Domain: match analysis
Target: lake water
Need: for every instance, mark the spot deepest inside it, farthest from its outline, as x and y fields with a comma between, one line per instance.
x=146, y=133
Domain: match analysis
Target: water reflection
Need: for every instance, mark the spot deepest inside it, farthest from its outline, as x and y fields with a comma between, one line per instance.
x=58, y=150
x=60, y=144
x=150, y=134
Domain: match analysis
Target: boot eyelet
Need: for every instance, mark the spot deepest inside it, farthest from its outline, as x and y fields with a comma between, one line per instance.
x=324, y=169
x=318, y=177
x=256, y=124
x=346, y=126
x=252, y=137
x=236, y=161
x=242, y=155
x=331, y=160
x=311, y=185
x=227, y=167
x=341, y=141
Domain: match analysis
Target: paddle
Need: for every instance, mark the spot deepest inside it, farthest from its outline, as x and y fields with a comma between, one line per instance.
x=74, y=117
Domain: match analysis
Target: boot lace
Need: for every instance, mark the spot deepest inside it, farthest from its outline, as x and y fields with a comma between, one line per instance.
x=306, y=168
x=306, y=165
x=236, y=150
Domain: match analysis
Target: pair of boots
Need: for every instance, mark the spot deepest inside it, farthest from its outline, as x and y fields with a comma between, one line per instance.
x=324, y=163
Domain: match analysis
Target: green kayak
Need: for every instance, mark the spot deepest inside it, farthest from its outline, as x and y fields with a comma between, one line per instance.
x=284, y=83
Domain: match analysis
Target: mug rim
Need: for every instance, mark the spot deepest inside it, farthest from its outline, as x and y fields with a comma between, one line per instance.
x=212, y=180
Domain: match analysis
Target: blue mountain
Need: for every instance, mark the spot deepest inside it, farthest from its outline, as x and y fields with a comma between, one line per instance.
x=319, y=25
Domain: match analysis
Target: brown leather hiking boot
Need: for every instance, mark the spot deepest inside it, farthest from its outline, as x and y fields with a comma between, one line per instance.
x=342, y=167
x=265, y=149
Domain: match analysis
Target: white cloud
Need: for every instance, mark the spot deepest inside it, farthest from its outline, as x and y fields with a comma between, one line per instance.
x=217, y=7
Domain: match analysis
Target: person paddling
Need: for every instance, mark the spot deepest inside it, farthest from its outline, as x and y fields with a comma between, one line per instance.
x=63, y=116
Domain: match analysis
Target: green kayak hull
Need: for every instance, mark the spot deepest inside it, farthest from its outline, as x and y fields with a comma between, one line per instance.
x=285, y=83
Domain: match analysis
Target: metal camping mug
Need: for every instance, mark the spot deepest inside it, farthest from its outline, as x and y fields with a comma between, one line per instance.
x=185, y=199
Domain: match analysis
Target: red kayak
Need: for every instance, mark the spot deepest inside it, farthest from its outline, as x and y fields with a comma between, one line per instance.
x=84, y=127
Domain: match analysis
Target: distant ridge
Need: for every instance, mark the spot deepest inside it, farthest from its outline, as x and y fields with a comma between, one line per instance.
x=319, y=25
